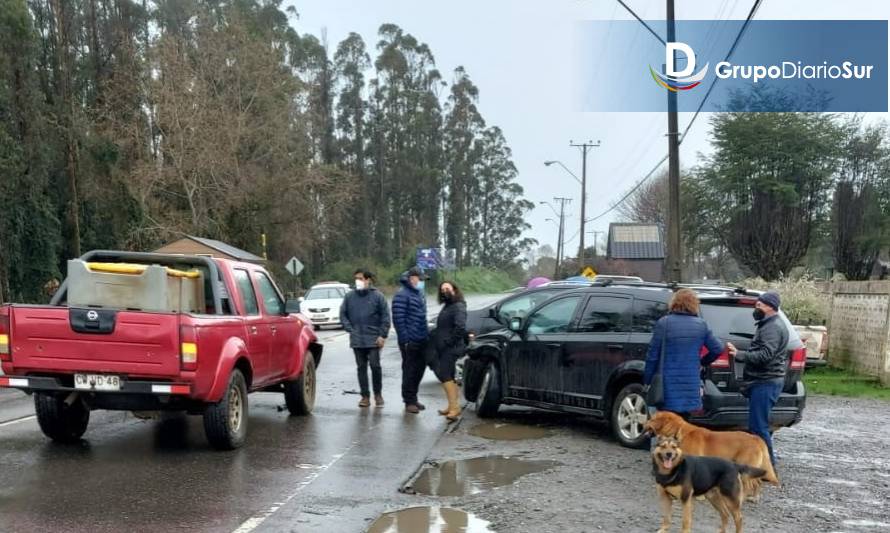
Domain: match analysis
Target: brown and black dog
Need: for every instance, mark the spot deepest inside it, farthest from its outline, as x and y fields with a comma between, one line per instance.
x=683, y=477
x=736, y=446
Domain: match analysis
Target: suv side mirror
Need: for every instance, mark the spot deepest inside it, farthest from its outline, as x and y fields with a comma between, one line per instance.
x=292, y=306
x=515, y=324
x=301, y=299
x=493, y=313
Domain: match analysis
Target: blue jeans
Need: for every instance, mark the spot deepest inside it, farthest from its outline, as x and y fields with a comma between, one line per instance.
x=761, y=399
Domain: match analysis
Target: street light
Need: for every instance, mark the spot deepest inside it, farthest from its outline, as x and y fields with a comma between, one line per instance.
x=555, y=212
x=548, y=163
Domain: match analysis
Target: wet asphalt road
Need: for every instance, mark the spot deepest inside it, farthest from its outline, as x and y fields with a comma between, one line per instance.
x=337, y=469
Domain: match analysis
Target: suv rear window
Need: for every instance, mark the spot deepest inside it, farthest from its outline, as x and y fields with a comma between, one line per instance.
x=727, y=319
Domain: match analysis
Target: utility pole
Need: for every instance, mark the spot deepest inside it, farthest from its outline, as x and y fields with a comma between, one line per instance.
x=562, y=228
x=675, y=268
x=585, y=147
x=596, y=241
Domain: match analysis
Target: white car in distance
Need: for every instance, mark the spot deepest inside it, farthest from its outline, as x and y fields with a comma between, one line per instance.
x=322, y=303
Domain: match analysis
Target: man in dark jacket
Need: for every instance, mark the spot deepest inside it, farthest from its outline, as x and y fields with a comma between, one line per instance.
x=365, y=315
x=409, y=319
x=765, y=363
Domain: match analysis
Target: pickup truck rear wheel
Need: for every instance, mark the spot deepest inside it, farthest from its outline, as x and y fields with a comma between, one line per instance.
x=225, y=422
x=59, y=421
x=299, y=394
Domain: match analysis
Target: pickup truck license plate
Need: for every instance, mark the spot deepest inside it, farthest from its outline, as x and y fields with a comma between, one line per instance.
x=97, y=382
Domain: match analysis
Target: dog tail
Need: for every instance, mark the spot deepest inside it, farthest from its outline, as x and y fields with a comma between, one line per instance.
x=752, y=472
x=771, y=476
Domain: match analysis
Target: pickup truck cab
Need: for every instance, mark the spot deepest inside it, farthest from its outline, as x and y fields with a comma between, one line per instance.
x=226, y=332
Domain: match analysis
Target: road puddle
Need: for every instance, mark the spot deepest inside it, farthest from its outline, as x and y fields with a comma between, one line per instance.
x=472, y=476
x=505, y=431
x=429, y=520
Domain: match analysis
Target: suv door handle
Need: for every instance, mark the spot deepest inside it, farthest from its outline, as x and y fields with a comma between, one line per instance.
x=615, y=346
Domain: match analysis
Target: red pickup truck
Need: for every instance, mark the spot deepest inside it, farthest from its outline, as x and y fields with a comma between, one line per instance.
x=197, y=335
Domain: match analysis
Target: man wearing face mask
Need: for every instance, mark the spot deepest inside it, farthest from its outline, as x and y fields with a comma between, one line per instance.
x=409, y=319
x=765, y=362
x=365, y=315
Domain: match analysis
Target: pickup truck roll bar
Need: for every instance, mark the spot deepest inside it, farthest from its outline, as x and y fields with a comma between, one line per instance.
x=151, y=258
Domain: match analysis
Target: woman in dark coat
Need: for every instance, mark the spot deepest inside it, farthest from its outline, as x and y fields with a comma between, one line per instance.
x=450, y=342
x=683, y=334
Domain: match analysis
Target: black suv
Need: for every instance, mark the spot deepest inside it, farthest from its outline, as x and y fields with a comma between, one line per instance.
x=584, y=351
x=497, y=315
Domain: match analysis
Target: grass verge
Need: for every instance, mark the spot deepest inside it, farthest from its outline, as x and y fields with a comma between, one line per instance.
x=838, y=382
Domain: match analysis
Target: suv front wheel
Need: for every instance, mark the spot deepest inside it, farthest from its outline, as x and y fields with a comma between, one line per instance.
x=489, y=399
x=629, y=415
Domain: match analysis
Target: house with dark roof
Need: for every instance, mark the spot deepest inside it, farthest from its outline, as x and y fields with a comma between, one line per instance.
x=640, y=246
x=191, y=245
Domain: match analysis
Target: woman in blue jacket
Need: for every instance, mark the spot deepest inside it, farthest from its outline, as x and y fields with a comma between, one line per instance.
x=684, y=334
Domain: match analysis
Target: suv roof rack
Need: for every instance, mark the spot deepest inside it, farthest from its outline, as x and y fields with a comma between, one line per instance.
x=722, y=289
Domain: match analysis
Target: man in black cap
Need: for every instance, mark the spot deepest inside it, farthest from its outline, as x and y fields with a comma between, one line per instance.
x=409, y=318
x=765, y=363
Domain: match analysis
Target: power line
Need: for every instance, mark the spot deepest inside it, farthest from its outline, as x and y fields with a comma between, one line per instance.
x=735, y=43
x=635, y=187
x=653, y=32
x=639, y=184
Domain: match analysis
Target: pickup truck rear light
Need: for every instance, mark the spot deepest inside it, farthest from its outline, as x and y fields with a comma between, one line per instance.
x=188, y=347
x=5, y=353
x=722, y=360
x=798, y=359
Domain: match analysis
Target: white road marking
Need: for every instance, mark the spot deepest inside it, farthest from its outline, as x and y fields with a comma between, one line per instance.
x=17, y=420
x=256, y=520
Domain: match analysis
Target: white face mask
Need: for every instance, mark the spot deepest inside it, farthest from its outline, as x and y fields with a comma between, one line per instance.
x=360, y=285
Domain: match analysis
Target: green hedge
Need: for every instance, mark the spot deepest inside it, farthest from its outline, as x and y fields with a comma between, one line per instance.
x=471, y=280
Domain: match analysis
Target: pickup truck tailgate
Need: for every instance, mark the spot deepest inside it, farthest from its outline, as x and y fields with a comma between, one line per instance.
x=62, y=339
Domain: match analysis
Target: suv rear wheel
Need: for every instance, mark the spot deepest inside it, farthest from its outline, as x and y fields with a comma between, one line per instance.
x=59, y=421
x=629, y=415
x=299, y=394
x=489, y=399
x=225, y=422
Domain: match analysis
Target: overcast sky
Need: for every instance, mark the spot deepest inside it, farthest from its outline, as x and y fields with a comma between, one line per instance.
x=522, y=54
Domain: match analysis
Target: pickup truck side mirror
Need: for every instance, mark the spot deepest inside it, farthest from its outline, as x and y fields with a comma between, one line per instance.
x=292, y=306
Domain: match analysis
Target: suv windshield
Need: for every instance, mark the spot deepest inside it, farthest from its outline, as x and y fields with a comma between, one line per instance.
x=331, y=293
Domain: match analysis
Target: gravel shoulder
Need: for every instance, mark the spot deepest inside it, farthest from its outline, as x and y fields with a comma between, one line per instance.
x=834, y=467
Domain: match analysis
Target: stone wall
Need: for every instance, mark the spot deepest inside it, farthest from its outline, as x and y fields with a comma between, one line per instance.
x=859, y=327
